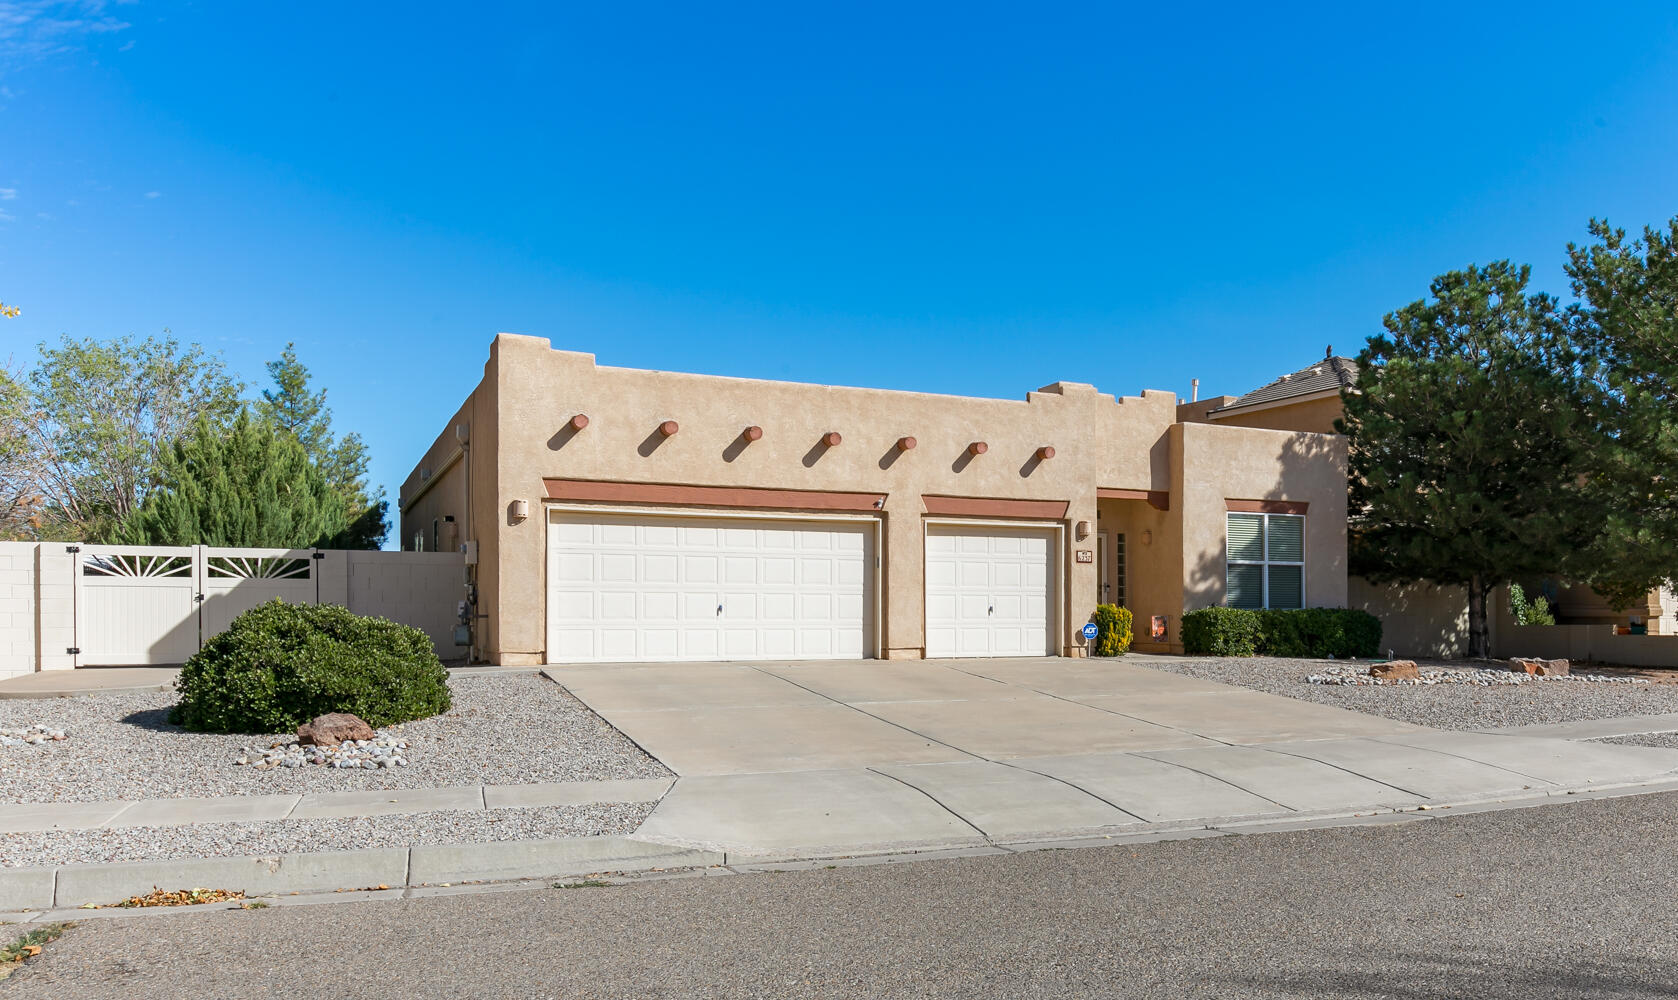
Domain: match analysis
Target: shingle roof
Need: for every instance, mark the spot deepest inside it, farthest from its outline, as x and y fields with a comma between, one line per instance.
x=1333, y=373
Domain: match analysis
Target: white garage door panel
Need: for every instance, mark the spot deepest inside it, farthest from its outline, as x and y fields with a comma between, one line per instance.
x=633, y=587
x=987, y=590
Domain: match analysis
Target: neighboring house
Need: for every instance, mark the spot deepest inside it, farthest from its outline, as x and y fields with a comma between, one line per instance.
x=1305, y=400
x=1419, y=618
x=614, y=514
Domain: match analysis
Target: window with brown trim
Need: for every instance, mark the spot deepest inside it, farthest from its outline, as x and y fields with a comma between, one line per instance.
x=1266, y=562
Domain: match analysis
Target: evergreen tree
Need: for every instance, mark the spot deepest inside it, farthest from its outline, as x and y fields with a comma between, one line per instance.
x=1627, y=314
x=292, y=408
x=248, y=484
x=1471, y=432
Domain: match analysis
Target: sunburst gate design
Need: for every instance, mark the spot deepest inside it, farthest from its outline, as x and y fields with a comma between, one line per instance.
x=257, y=567
x=135, y=565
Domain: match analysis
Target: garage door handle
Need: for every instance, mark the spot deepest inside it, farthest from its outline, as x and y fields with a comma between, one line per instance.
x=719, y=609
x=990, y=610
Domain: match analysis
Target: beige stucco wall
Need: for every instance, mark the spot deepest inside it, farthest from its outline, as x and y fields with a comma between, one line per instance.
x=1314, y=415
x=530, y=391
x=1215, y=464
x=1418, y=620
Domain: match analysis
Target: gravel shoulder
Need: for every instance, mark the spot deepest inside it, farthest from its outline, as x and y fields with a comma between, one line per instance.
x=1666, y=740
x=285, y=836
x=1443, y=706
x=503, y=729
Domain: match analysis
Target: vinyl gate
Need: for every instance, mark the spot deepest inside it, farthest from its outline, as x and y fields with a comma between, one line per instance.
x=137, y=605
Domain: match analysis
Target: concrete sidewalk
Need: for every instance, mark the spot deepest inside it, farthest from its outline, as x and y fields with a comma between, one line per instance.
x=88, y=680
x=809, y=759
x=126, y=680
x=33, y=816
x=1596, y=729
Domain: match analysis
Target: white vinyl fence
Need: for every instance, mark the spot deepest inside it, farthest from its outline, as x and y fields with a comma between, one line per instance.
x=76, y=605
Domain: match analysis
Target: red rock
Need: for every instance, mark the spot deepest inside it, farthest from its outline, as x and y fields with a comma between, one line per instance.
x=1396, y=670
x=332, y=729
x=1539, y=668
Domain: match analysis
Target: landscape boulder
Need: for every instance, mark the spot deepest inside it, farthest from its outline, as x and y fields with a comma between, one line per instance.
x=1540, y=668
x=1396, y=670
x=332, y=729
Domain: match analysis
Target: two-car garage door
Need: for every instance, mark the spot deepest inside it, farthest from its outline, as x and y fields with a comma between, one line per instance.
x=626, y=587
x=652, y=587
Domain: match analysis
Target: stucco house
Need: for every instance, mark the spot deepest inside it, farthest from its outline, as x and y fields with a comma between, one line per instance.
x=1419, y=619
x=613, y=514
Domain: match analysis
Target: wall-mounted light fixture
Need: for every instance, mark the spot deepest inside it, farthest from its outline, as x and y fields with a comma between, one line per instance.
x=1147, y=538
x=518, y=510
x=1083, y=530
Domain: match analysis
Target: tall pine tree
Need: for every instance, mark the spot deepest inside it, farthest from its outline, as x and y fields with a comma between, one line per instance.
x=248, y=484
x=295, y=410
x=1472, y=432
x=1627, y=314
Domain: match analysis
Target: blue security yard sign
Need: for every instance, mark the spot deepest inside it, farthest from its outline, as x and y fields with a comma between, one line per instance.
x=1090, y=631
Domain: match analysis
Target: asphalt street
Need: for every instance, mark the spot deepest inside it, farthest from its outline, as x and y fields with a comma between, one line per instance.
x=1572, y=900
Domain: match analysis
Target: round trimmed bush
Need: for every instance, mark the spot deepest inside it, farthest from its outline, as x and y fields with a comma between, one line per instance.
x=279, y=665
x=1114, y=623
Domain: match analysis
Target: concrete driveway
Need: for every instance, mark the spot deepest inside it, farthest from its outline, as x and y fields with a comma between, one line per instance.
x=815, y=758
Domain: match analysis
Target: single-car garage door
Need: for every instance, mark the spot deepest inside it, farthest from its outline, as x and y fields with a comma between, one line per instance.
x=987, y=590
x=654, y=587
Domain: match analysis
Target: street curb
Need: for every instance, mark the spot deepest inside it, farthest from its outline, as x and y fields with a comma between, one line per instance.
x=69, y=886
x=78, y=884
x=515, y=859
x=27, y=895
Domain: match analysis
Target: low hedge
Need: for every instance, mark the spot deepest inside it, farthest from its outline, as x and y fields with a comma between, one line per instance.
x=279, y=665
x=1114, y=636
x=1314, y=633
x=1221, y=632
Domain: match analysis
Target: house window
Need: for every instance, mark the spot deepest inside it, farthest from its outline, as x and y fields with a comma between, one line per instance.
x=1118, y=571
x=1266, y=561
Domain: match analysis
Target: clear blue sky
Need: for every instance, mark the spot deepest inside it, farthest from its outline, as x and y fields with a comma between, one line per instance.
x=962, y=198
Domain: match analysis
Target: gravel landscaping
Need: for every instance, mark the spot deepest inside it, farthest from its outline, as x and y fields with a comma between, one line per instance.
x=1669, y=740
x=1442, y=706
x=503, y=729
x=216, y=840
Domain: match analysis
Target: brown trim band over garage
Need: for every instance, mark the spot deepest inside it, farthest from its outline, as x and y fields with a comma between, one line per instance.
x=593, y=491
x=1157, y=499
x=1047, y=510
x=1266, y=506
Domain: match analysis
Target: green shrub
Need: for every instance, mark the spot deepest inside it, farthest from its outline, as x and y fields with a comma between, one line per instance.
x=1221, y=632
x=1114, y=637
x=1314, y=633
x=279, y=665
x=1533, y=612
x=1318, y=633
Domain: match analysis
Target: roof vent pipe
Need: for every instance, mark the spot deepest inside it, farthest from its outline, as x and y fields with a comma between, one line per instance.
x=1194, y=390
